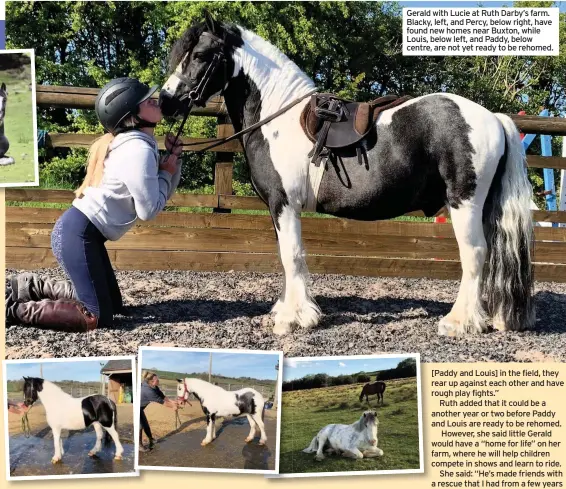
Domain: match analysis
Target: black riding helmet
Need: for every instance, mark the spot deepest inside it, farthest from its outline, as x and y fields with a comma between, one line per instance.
x=119, y=99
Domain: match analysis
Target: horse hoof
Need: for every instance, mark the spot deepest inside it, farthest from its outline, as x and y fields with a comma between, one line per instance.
x=118, y=457
x=282, y=328
x=91, y=454
x=262, y=442
x=319, y=458
x=204, y=443
x=55, y=460
x=248, y=439
x=449, y=328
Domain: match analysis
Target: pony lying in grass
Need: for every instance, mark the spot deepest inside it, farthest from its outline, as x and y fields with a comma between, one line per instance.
x=216, y=401
x=356, y=440
x=64, y=412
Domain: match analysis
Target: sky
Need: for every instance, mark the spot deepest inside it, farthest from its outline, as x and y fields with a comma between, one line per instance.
x=297, y=368
x=255, y=366
x=81, y=371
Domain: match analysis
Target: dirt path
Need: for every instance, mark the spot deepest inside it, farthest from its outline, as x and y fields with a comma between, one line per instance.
x=363, y=315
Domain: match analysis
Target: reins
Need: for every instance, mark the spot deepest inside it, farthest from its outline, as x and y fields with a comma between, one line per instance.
x=253, y=127
x=26, y=427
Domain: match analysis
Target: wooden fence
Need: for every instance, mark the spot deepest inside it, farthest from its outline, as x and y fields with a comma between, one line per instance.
x=243, y=242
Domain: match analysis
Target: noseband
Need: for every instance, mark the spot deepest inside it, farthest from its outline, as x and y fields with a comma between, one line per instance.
x=182, y=398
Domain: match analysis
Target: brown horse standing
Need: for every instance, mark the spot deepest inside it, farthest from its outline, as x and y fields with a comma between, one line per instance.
x=371, y=388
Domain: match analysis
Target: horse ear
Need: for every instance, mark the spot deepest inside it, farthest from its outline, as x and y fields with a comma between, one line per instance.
x=3, y=87
x=211, y=22
x=375, y=413
x=180, y=381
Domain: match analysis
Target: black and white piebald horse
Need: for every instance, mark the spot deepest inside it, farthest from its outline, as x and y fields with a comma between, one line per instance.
x=216, y=401
x=433, y=150
x=4, y=143
x=64, y=412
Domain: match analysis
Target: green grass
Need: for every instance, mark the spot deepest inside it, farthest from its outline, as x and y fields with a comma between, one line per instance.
x=305, y=412
x=19, y=128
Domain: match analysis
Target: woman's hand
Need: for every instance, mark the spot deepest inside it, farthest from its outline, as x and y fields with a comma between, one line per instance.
x=170, y=164
x=176, y=148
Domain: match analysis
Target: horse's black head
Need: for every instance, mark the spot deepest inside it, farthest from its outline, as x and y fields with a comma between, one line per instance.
x=3, y=101
x=32, y=385
x=202, y=64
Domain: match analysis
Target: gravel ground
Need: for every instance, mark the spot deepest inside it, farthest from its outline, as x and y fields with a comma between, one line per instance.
x=363, y=315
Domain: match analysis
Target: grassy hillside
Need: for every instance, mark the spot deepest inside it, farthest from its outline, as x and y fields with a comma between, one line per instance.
x=18, y=125
x=305, y=412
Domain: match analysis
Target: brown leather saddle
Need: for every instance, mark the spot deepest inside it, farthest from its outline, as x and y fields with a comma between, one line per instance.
x=331, y=122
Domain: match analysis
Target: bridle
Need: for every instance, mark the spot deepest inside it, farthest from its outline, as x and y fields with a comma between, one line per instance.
x=182, y=398
x=187, y=100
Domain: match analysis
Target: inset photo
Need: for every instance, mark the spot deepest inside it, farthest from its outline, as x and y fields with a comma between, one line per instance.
x=209, y=410
x=18, y=120
x=70, y=418
x=351, y=416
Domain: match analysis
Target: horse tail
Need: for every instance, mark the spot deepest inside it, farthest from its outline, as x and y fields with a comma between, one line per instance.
x=508, y=226
x=362, y=393
x=313, y=447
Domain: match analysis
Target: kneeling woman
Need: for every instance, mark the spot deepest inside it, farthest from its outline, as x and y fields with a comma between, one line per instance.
x=125, y=180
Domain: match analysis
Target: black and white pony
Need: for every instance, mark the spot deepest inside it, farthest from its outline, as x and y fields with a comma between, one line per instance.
x=433, y=150
x=216, y=401
x=356, y=440
x=4, y=143
x=64, y=412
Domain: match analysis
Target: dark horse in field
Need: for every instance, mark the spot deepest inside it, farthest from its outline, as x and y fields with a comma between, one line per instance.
x=372, y=388
x=434, y=150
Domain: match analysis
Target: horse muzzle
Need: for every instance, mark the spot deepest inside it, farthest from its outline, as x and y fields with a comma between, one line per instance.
x=172, y=106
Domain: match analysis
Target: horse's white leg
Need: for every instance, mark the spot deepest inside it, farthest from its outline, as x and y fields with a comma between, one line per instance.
x=119, y=448
x=62, y=449
x=322, y=437
x=298, y=308
x=56, y=444
x=353, y=453
x=259, y=422
x=209, y=428
x=213, y=426
x=467, y=314
x=99, y=434
x=253, y=428
x=373, y=452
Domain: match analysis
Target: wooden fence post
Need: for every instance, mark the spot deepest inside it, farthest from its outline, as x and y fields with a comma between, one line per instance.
x=224, y=168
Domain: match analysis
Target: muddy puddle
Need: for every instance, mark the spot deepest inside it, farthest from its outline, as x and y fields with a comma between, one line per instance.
x=32, y=456
x=228, y=451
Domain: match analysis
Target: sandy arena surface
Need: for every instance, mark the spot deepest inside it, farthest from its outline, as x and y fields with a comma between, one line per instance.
x=362, y=315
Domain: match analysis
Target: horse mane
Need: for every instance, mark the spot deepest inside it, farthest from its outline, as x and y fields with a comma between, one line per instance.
x=189, y=39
